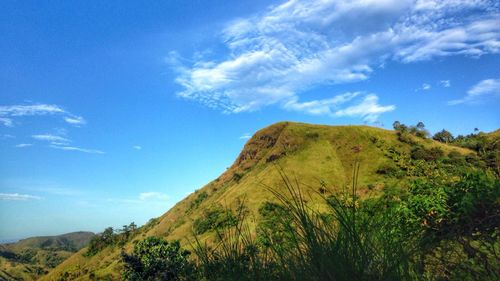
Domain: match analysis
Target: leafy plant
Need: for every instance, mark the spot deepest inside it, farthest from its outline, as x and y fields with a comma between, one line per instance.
x=156, y=259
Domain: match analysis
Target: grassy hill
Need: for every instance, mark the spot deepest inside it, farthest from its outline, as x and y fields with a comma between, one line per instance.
x=316, y=155
x=32, y=257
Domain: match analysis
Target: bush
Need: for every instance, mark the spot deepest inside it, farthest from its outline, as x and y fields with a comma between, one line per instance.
x=213, y=219
x=197, y=201
x=406, y=138
x=156, y=259
x=100, y=241
x=390, y=170
x=421, y=153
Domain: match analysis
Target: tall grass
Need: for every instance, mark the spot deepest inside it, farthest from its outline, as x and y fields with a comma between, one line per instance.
x=338, y=242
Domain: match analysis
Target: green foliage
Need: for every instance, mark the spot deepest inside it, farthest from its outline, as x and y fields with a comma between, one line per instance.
x=274, y=225
x=487, y=147
x=443, y=136
x=461, y=217
x=197, y=201
x=390, y=170
x=422, y=153
x=27, y=255
x=52, y=260
x=213, y=219
x=405, y=132
x=109, y=238
x=156, y=259
x=344, y=243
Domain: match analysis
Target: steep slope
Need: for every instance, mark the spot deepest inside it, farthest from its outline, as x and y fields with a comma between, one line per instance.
x=314, y=154
x=32, y=257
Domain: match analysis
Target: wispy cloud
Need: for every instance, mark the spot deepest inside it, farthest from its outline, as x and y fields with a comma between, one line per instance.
x=63, y=143
x=483, y=89
x=30, y=110
x=426, y=87
x=369, y=109
x=75, y=120
x=7, y=136
x=9, y=112
x=21, y=145
x=445, y=83
x=245, y=136
x=152, y=195
x=74, y=148
x=365, y=106
x=276, y=56
x=18, y=197
x=7, y=122
x=54, y=139
x=143, y=198
x=137, y=147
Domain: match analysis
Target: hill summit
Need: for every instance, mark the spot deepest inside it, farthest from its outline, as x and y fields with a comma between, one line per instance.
x=316, y=155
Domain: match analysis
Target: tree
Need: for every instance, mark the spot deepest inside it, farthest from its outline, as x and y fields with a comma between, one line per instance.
x=396, y=125
x=156, y=259
x=420, y=126
x=132, y=227
x=443, y=136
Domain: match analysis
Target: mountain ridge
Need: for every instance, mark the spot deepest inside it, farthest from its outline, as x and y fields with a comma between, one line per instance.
x=313, y=153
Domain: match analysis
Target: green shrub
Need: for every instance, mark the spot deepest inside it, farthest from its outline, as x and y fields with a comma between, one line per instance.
x=213, y=219
x=197, y=201
x=100, y=241
x=390, y=170
x=421, y=153
x=156, y=259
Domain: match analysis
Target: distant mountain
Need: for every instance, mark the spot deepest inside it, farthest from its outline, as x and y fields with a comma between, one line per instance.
x=314, y=154
x=30, y=258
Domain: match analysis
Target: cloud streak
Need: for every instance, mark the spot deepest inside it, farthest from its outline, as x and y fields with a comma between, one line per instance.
x=54, y=139
x=18, y=197
x=148, y=196
x=62, y=143
x=22, y=145
x=9, y=112
x=276, y=56
x=74, y=148
x=484, y=89
x=245, y=136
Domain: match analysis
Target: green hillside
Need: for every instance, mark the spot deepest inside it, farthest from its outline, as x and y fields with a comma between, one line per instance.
x=316, y=155
x=33, y=257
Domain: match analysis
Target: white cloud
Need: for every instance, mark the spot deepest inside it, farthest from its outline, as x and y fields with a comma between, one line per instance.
x=153, y=196
x=445, y=83
x=75, y=120
x=8, y=112
x=21, y=145
x=62, y=143
x=245, y=136
x=54, y=139
x=483, y=89
x=18, y=197
x=137, y=147
x=7, y=136
x=7, y=122
x=368, y=109
x=30, y=110
x=426, y=87
x=357, y=104
x=74, y=148
x=278, y=55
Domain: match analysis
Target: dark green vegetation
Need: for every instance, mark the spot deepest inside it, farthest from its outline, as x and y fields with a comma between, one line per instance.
x=109, y=237
x=291, y=208
x=30, y=258
x=436, y=230
x=155, y=259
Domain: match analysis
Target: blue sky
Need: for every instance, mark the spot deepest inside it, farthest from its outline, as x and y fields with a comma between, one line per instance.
x=110, y=112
